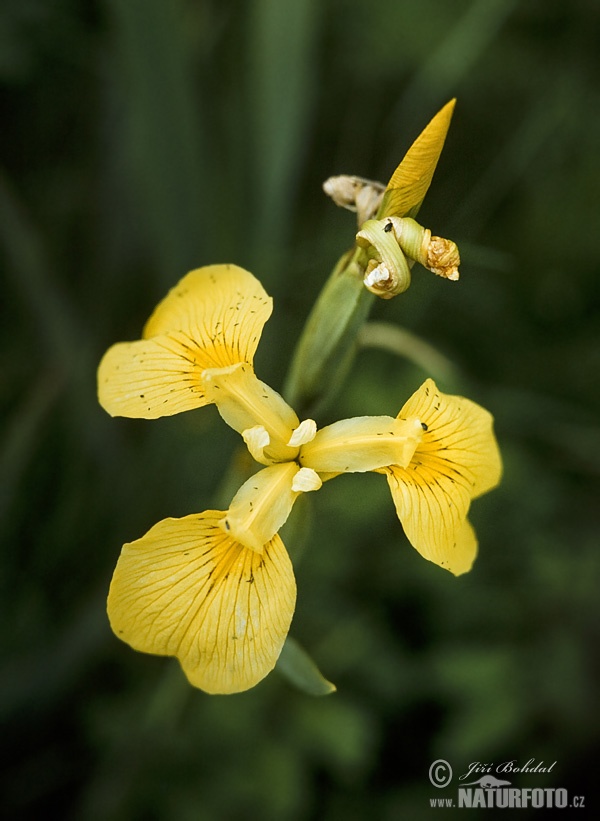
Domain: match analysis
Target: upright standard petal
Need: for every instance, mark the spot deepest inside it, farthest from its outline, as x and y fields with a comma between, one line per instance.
x=212, y=319
x=457, y=457
x=187, y=589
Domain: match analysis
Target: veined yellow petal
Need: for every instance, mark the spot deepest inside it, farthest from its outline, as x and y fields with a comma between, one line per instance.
x=465, y=549
x=410, y=181
x=187, y=589
x=458, y=554
x=456, y=460
x=459, y=436
x=222, y=308
x=212, y=319
x=263, y=503
x=150, y=378
x=432, y=507
x=361, y=444
x=245, y=402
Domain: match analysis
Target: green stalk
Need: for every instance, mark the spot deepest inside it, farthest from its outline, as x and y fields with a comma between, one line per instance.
x=328, y=342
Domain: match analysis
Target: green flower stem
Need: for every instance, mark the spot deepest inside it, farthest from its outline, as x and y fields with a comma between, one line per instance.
x=399, y=341
x=329, y=340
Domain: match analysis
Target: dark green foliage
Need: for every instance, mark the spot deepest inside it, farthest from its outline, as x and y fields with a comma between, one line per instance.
x=142, y=138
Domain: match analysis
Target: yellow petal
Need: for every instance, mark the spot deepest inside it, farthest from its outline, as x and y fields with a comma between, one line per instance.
x=186, y=589
x=150, y=378
x=222, y=308
x=212, y=319
x=459, y=435
x=410, y=181
x=263, y=503
x=457, y=457
x=245, y=402
x=361, y=444
x=432, y=508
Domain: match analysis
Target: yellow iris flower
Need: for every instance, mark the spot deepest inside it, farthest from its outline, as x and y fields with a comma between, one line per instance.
x=217, y=589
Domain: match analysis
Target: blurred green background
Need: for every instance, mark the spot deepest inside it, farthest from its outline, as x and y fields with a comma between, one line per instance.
x=141, y=138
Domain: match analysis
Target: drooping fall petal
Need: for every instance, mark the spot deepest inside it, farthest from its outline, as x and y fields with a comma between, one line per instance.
x=213, y=318
x=187, y=589
x=456, y=460
x=459, y=431
x=432, y=507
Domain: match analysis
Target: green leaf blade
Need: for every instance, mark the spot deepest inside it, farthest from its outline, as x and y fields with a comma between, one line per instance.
x=299, y=669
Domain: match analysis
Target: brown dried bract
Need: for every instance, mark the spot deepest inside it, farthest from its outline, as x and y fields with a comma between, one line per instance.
x=443, y=258
x=355, y=194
